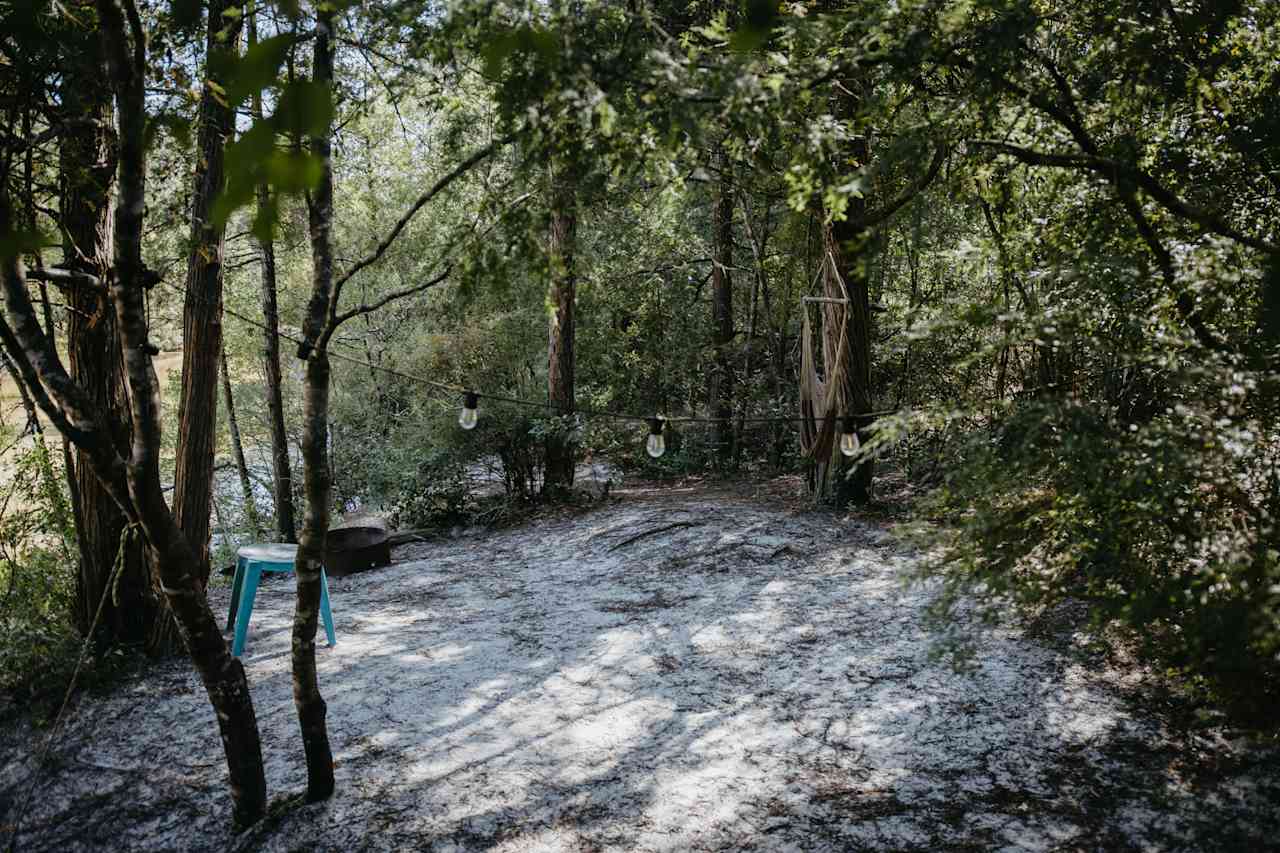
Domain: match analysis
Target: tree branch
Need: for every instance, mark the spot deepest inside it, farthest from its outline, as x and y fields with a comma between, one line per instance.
x=381, y=249
x=68, y=278
x=875, y=217
x=1115, y=172
x=369, y=308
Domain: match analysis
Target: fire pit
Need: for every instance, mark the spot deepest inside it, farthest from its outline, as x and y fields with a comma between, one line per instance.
x=355, y=549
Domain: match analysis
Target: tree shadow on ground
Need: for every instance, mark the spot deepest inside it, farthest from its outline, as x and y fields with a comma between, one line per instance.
x=687, y=674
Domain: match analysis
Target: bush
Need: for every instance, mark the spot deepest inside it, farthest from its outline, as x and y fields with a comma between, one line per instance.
x=38, y=643
x=1167, y=527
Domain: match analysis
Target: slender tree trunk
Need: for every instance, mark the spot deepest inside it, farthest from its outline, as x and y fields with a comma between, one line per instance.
x=722, y=308
x=202, y=310
x=177, y=563
x=317, y=482
x=87, y=163
x=281, y=468
x=237, y=448
x=562, y=246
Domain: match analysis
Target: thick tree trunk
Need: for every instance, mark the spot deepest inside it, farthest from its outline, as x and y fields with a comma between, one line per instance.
x=202, y=311
x=561, y=247
x=281, y=468
x=318, y=484
x=237, y=448
x=722, y=308
x=845, y=242
x=87, y=163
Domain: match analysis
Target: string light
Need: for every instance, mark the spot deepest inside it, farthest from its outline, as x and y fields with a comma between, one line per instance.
x=656, y=445
x=469, y=416
x=849, y=443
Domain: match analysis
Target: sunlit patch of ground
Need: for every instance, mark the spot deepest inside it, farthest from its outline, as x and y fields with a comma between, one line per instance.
x=678, y=672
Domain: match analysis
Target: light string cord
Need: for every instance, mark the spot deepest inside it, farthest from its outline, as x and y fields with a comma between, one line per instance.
x=458, y=390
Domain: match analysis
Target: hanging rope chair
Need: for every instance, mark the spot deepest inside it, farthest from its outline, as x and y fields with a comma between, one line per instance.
x=823, y=400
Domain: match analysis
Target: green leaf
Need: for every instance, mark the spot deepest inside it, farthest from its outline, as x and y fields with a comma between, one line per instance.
x=758, y=17
x=265, y=218
x=23, y=242
x=293, y=171
x=257, y=69
x=305, y=108
x=186, y=14
x=179, y=128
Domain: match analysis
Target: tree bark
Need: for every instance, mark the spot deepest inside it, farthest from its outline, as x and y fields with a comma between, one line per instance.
x=202, y=310
x=722, y=308
x=237, y=448
x=281, y=468
x=87, y=165
x=561, y=248
x=844, y=242
x=317, y=482
x=176, y=561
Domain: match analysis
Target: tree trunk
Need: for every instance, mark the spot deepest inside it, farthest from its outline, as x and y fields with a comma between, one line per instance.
x=722, y=309
x=176, y=561
x=87, y=164
x=845, y=241
x=281, y=469
x=202, y=310
x=562, y=245
x=246, y=485
x=318, y=484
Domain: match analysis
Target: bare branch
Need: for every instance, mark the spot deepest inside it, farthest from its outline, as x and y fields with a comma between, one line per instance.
x=68, y=278
x=875, y=217
x=370, y=307
x=435, y=189
x=1115, y=172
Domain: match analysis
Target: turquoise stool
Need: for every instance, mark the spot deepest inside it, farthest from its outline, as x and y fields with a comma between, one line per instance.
x=251, y=562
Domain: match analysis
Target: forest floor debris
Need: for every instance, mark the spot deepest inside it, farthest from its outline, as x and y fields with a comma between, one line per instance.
x=679, y=671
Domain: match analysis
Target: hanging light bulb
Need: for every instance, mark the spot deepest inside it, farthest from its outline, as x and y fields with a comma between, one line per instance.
x=849, y=443
x=656, y=445
x=469, y=416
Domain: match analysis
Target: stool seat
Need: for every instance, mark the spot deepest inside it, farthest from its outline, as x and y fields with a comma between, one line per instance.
x=251, y=562
x=269, y=552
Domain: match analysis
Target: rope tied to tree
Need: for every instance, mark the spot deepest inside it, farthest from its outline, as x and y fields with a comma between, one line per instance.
x=822, y=401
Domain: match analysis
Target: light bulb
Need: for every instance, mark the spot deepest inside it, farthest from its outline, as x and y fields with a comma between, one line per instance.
x=849, y=443
x=656, y=445
x=469, y=416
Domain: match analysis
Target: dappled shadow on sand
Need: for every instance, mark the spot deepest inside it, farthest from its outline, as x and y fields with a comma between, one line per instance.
x=683, y=674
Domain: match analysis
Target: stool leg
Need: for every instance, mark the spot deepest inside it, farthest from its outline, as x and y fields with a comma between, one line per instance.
x=236, y=586
x=253, y=573
x=325, y=612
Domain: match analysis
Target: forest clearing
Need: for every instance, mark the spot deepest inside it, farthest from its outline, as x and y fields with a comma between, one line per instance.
x=639, y=424
x=689, y=670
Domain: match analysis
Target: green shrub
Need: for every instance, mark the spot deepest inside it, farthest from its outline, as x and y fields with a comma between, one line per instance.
x=1167, y=526
x=38, y=643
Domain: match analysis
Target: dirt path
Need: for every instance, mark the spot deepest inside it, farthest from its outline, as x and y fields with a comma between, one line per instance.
x=676, y=673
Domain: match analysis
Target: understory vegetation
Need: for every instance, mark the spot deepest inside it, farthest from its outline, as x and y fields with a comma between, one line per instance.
x=1044, y=241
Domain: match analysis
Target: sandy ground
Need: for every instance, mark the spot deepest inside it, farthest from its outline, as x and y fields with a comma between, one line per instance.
x=677, y=672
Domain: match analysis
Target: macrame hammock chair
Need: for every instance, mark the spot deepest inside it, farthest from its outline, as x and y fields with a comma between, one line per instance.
x=824, y=400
